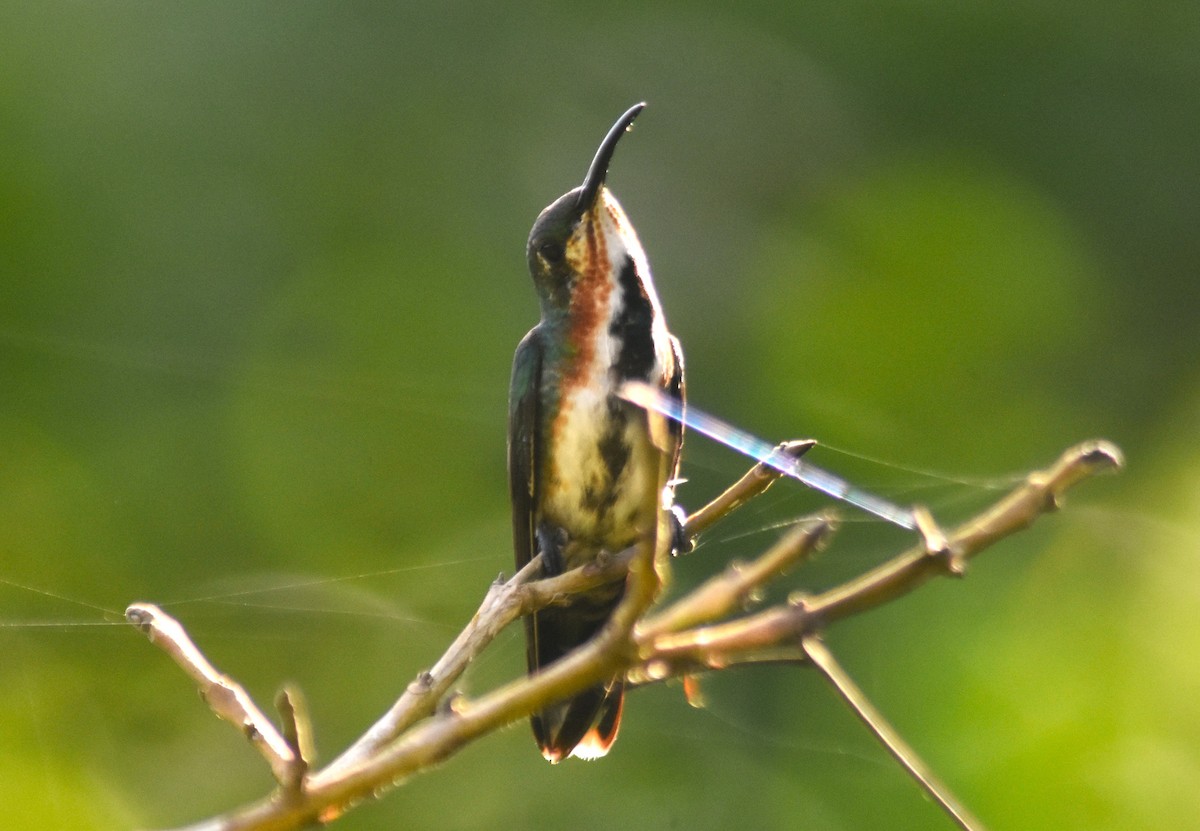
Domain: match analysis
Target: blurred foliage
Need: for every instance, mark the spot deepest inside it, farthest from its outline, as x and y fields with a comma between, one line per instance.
x=262, y=275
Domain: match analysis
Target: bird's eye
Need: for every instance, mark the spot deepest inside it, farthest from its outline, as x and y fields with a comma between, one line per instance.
x=552, y=252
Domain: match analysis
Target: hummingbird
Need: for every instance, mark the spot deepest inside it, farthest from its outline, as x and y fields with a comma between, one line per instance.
x=586, y=467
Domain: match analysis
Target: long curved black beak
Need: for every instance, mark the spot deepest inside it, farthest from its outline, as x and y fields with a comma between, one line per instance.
x=599, y=169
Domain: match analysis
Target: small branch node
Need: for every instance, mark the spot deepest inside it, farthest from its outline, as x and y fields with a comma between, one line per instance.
x=453, y=704
x=422, y=684
x=956, y=564
x=598, y=564
x=796, y=447
x=1102, y=455
x=936, y=544
x=1044, y=483
x=799, y=601
x=140, y=616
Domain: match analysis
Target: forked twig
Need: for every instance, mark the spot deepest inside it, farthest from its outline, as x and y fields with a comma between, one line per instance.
x=692, y=634
x=736, y=640
x=227, y=698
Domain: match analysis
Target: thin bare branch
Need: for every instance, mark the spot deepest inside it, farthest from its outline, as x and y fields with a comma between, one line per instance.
x=736, y=641
x=1041, y=492
x=227, y=698
x=502, y=604
x=416, y=734
x=296, y=728
x=330, y=792
x=728, y=592
x=754, y=482
x=840, y=680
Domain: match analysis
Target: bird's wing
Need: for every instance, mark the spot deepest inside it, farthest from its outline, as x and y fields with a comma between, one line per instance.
x=523, y=404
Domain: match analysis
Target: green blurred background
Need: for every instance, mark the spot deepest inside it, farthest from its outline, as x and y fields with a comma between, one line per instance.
x=261, y=270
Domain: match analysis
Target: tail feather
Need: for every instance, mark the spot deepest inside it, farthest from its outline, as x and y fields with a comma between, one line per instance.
x=586, y=725
x=596, y=742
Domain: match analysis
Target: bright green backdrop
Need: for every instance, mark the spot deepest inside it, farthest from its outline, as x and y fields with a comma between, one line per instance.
x=261, y=276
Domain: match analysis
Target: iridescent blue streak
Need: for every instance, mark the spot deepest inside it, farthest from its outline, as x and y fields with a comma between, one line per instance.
x=650, y=398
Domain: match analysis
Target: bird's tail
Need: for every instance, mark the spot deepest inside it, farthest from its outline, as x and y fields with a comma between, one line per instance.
x=586, y=725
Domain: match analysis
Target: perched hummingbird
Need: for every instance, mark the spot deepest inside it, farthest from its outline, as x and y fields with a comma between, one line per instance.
x=585, y=465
